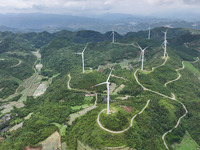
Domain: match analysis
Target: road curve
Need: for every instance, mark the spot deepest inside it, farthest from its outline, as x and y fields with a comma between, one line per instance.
x=144, y=88
x=19, y=62
x=172, y=98
x=159, y=65
x=81, y=90
x=69, y=81
x=196, y=60
x=179, y=75
x=131, y=124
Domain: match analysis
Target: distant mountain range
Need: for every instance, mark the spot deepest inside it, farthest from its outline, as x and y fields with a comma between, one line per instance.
x=121, y=23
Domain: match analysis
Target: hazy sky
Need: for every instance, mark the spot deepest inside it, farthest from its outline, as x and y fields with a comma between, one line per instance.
x=80, y=7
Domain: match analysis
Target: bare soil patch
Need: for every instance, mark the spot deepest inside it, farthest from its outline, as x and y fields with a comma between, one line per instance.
x=32, y=148
x=127, y=108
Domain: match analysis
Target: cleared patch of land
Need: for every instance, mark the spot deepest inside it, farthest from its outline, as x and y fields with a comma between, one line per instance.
x=112, y=87
x=52, y=143
x=80, y=113
x=20, y=124
x=16, y=127
x=119, y=89
x=127, y=108
x=62, y=128
x=41, y=89
x=37, y=54
x=39, y=67
x=27, y=88
x=124, y=64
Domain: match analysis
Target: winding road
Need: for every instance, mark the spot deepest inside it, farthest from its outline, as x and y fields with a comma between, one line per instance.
x=172, y=98
x=74, y=116
x=69, y=87
x=131, y=124
x=166, y=58
x=144, y=88
x=179, y=75
x=19, y=62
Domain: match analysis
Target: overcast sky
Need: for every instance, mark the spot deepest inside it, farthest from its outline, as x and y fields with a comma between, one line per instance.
x=82, y=7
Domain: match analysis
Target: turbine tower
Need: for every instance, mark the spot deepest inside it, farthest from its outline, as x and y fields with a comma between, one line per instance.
x=142, y=55
x=82, y=54
x=113, y=36
x=107, y=85
x=165, y=43
x=149, y=35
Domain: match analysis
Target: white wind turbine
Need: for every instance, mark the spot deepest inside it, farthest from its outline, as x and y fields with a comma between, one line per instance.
x=113, y=36
x=107, y=85
x=142, y=55
x=149, y=35
x=165, y=43
x=82, y=54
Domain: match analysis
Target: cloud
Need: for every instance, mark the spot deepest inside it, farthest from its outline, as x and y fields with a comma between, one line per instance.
x=161, y=2
x=191, y=2
x=143, y=7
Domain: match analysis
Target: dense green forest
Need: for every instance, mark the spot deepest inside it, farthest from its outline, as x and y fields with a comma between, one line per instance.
x=128, y=98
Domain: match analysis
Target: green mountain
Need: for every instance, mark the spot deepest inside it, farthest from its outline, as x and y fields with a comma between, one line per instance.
x=154, y=108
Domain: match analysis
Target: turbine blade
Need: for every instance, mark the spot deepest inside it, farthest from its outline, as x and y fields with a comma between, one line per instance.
x=110, y=74
x=100, y=84
x=145, y=48
x=139, y=46
x=85, y=48
x=134, y=45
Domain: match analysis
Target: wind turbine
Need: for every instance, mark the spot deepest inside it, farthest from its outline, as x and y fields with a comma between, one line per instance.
x=165, y=43
x=113, y=36
x=149, y=35
x=82, y=54
x=107, y=85
x=142, y=55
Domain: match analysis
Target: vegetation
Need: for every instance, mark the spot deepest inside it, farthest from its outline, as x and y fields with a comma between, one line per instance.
x=187, y=143
x=116, y=121
x=52, y=109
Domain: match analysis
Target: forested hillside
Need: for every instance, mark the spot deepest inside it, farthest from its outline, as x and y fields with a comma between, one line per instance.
x=151, y=103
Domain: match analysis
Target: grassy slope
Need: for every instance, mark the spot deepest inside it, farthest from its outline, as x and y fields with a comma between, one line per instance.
x=187, y=143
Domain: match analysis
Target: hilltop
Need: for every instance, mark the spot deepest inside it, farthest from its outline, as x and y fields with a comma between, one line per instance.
x=151, y=109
